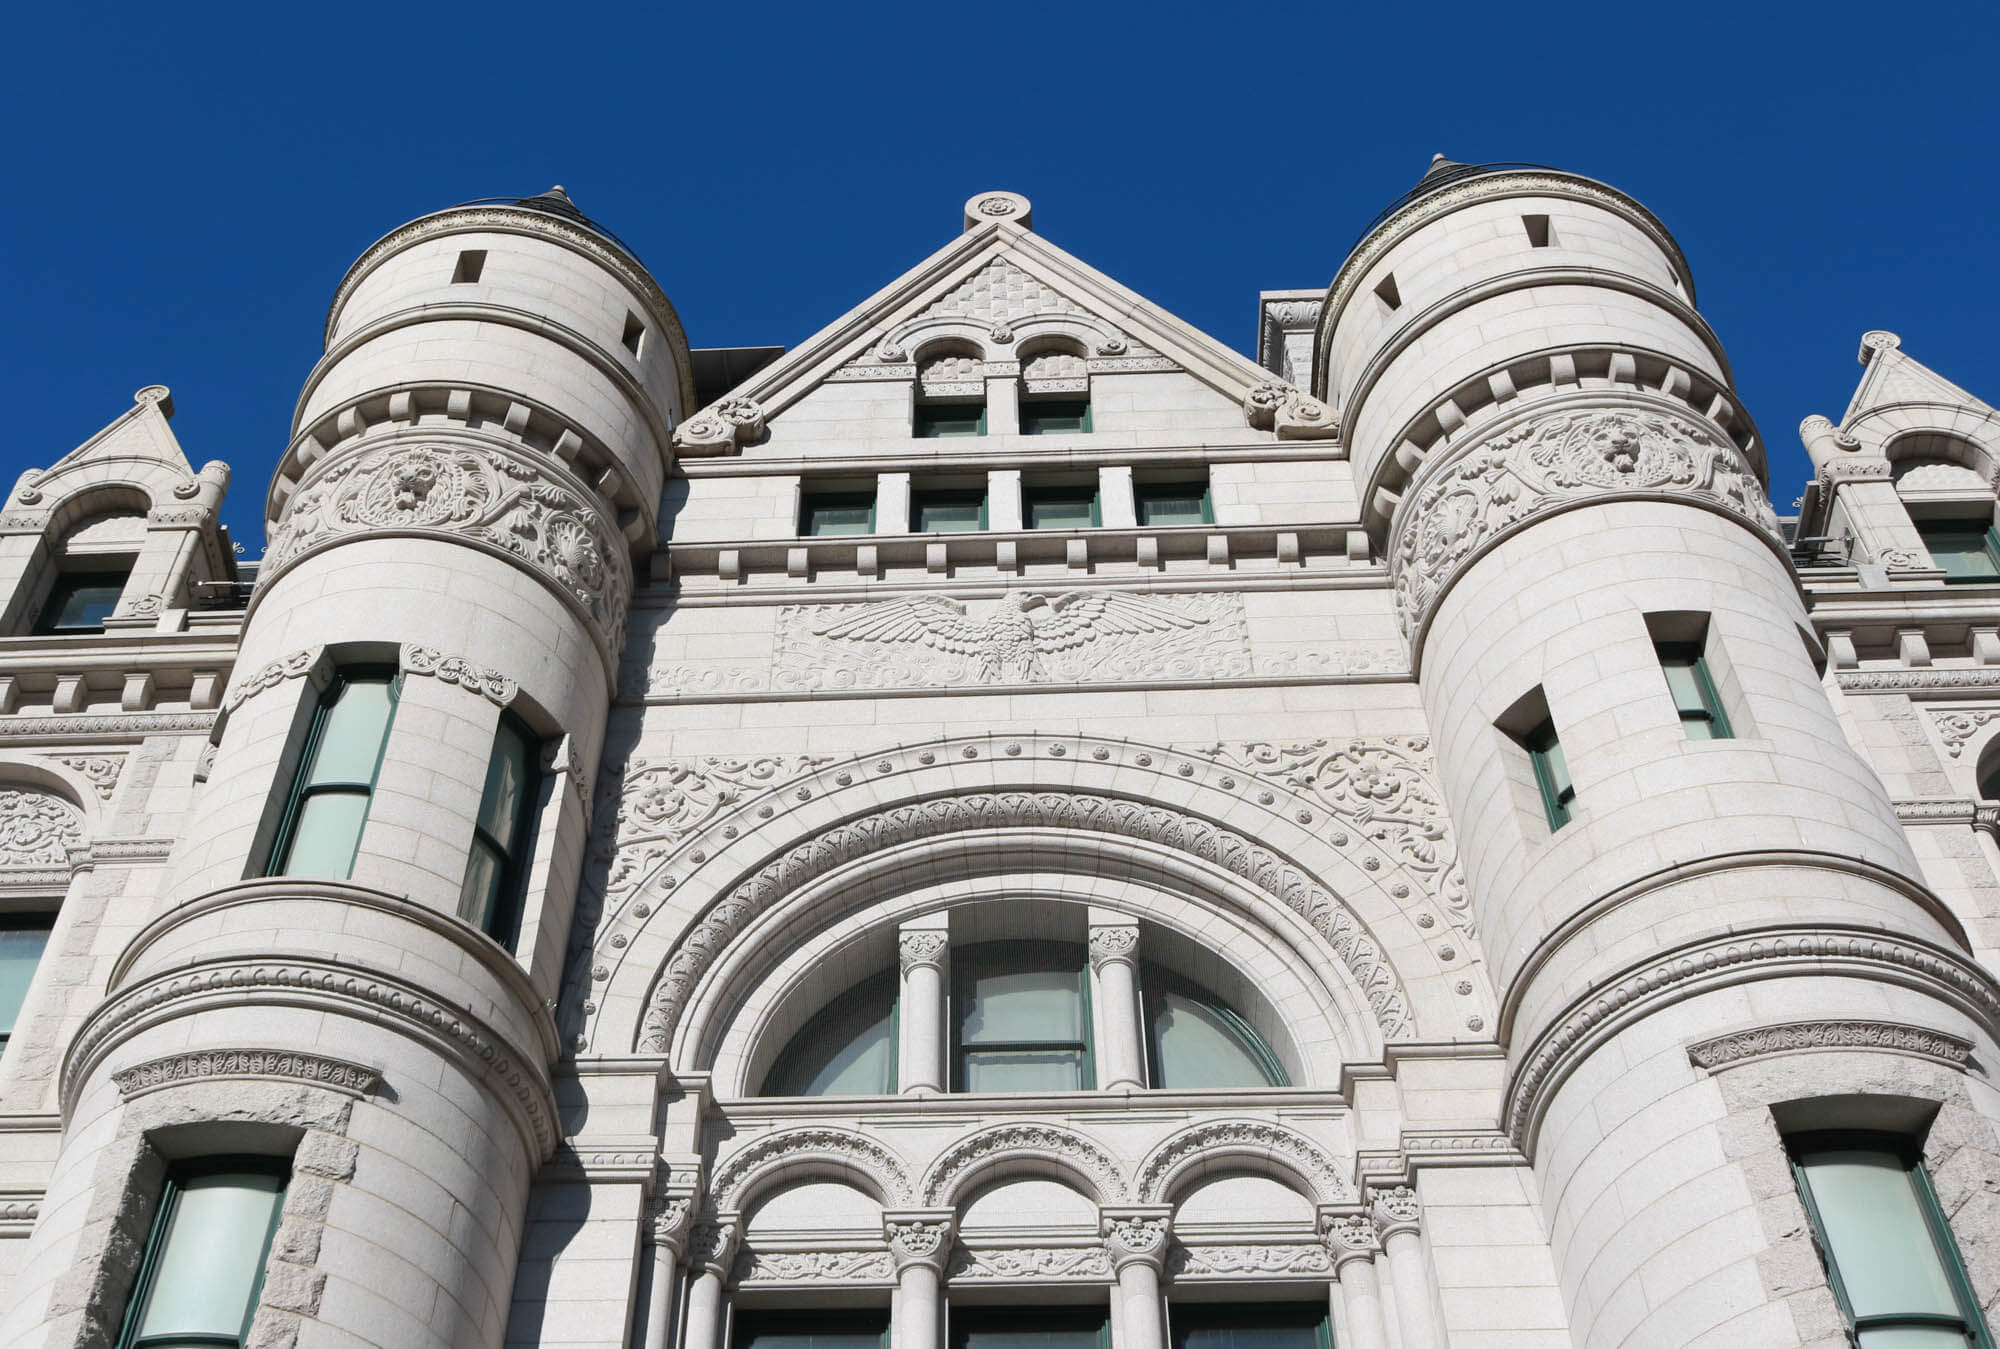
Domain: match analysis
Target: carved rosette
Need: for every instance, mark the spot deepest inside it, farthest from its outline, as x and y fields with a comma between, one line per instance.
x=1543, y=465
x=1136, y=1238
x=470, y=492
x=922, y=947
x=919, y=1237
x=1395, y=1209
x=1350, y=1237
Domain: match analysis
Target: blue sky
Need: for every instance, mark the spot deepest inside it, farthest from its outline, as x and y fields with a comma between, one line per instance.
x=189, y=182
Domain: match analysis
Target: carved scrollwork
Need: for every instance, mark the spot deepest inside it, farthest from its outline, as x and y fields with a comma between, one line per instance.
x=668, y=1219
x=101, y=773
x=754, y=1266
x=470, y=492
x=1113, y=943
x=921, y=948
x=1761, y=1041
x=294, y=665
x=1239, y=1261
x=1031, y=1262
x=1955, y=726
x=721, y=428
x=37, y=829
x=494, y=686
x=209, y=1065
x=1136, y=1239
x=1279, y=407
x=918, y=1238
x=1548, y=463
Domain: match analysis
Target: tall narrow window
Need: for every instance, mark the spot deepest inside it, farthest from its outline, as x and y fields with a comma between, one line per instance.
x=1545, y=753
x=1023, y=1018
x=947, y=511
x=496, y=875
x=80, y=601
x=471, y=262
x=1055, y=416
x=829, y=514
x=23, y=938
x=1701, y=711
x=860, y=1328
x=1195, y=1041
x=847, y=1050
x=1968, y=550
x=634, y=335
x=1889, y=1254
x=321, y=830
x=1261, y=1325
x=1052, y=506
x=1172, y=503
x=940, y=420
x=204, y=1264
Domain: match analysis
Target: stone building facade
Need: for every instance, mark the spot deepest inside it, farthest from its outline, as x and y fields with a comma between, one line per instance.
x=1009, y=822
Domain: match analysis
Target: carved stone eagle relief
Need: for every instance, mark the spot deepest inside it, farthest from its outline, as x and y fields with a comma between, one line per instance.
x=1007, y=645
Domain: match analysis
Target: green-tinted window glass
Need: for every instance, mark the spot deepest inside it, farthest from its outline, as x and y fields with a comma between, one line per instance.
x=1969, y=552
x=938, y=420
x=1052, y=417
x=831, y=514
x=1172, y=503
x=1059, y=507
x=1027, y=1328
x=947, y=512
x=23, y=938
x=1890, y=1255
x=329, y=803
x=1545, y=752
x=856, y=1329
x=496, y=871
x=1023, y=1022
x=1264, y=1325
x=80, y=602
x=204, y=1265
x=847, y=1050
x=1197, y=1042
x=1694, y=692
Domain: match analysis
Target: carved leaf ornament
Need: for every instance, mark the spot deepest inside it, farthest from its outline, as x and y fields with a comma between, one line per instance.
x=1549, y=463
x=474, y=493
x=37, y=829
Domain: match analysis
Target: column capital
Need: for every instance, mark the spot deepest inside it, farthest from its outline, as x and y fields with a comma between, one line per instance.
x=1137, y=1235
x=1119, y=943
x=1348, y=1236
x=712, y=1246
x=922, y=946
x=668, y=1217
x=1395, y=1209
x=919, y=1237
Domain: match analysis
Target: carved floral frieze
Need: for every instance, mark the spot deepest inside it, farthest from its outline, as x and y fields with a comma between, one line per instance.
x=1011, y=1263
x=37, y=829
x=209, y=1065
x=834, y=1266
x=1759, y=1041
x=1548, y=463
x=1239, y=1261
x=470, y=492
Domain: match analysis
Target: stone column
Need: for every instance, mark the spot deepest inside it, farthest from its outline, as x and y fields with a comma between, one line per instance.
x=1352, y=1243
x=710, y=1252
x=924, y=947
x=919, y=1242
x=1396, y=1212
x=666, y=1231
x=1114, y=966
x=1136, y=1240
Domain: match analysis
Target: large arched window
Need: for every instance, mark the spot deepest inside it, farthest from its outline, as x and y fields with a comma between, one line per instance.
x=1194, y=1040
x=847, y=1050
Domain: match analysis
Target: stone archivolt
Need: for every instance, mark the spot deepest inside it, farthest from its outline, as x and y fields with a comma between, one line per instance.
x=1045, y=1143
x=1549, y=462
x=794, y=1149
x=1761, y=1041
x=1259, y=1139
x=466, y=491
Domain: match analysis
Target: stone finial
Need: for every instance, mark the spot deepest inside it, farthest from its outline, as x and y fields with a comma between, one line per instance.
x=919, y=1237
x=158, y=395
x=990, y=206
x=1877, y=340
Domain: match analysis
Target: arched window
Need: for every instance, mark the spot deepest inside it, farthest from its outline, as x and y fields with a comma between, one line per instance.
x=1194, y=1040
x=92, y=563
x=951, y=394
x=847, y=1050
x=1022, y=1018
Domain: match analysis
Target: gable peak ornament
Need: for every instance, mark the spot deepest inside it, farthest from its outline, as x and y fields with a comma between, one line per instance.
x=989, y=206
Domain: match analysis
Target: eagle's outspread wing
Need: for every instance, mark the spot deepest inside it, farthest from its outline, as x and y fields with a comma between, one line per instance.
x=931, y=620
x=1083, y=616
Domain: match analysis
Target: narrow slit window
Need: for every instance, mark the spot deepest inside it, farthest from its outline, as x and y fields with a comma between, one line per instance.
x=1694, y=694
x=1545, y=755
x=496, y=874
x=1387, y=293
x=203, y=1269
x=635, y=333
x=1538, y=230
x=471, y=262
x=321, y=830
x=1890, y=1256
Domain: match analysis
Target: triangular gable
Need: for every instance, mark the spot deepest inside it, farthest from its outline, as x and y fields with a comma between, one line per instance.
x=998, y=284
x=137, y=448
x=1892, y=377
